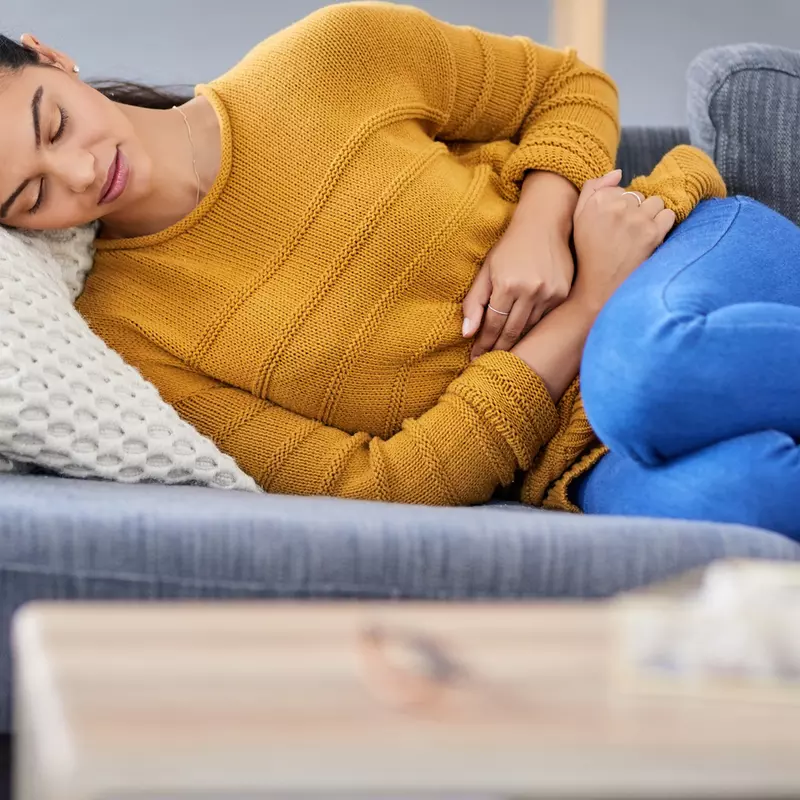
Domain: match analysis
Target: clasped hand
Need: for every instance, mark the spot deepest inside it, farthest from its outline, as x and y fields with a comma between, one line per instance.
x=530, y=270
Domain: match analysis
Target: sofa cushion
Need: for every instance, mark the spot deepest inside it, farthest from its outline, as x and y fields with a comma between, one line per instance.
x=88, y=539
x=744, y=111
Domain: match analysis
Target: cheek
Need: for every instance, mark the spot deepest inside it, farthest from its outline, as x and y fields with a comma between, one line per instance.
x=107, y=128
x=68, y=211
x=141, y=167
x=100, y=123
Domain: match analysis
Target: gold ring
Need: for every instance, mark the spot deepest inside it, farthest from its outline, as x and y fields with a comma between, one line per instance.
x=501, y=313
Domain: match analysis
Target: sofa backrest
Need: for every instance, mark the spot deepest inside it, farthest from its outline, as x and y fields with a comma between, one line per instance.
x=641, y=148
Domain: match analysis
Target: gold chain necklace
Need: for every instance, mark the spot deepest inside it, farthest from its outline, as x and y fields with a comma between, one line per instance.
x=194, y=154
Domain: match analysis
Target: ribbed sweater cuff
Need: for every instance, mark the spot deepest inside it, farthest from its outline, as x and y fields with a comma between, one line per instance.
x=576, y=163
x=683, y=177
x=513, y=399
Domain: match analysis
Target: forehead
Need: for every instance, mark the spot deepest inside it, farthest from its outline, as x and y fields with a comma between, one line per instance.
x=13, y=89
x=17, y=141
x=16, y=129
x=16, y=126
x=16, y=95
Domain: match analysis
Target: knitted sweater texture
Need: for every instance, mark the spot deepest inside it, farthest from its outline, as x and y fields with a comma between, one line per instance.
x=307, y=315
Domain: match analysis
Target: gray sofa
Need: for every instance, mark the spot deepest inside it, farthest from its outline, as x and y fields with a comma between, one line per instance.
x=68, y=539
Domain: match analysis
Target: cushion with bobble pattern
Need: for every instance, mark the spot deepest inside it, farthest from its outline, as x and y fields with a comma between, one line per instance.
x=68, y=403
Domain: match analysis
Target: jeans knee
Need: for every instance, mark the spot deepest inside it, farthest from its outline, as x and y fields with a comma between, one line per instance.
x=625, y=378
x=752, y=480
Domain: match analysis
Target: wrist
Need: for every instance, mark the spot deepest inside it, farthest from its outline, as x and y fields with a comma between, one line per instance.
x=554, y=347
x=550, y=198
x=584, y=305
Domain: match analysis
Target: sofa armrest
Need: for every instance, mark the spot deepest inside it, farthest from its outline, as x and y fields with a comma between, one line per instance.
x=744, y=107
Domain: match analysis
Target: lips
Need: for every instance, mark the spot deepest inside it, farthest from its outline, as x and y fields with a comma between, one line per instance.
x=112, y=171
x=116, y=180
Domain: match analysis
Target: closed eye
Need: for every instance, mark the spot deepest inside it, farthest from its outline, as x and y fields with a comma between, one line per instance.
x=58, y=134
x=62, y=127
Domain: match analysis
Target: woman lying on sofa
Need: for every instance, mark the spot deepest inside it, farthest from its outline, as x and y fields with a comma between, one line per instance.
x=366, y=261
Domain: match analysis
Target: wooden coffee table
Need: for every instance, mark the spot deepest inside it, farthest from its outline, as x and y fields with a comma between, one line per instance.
x=367, y=700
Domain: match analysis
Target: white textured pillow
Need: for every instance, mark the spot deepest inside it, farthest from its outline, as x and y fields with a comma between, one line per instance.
x=70, y=404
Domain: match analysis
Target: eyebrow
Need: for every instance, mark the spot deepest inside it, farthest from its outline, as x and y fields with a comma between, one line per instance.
x=36, y=105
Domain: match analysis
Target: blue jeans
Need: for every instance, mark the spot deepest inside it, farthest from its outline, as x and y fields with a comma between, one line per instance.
x=691, y=376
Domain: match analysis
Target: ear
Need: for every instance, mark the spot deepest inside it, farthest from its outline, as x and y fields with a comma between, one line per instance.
x=47, y=55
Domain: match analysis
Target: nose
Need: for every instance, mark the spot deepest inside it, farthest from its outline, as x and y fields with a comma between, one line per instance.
x=75, y=168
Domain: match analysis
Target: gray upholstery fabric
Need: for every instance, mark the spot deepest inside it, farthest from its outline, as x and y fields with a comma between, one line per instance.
x=744, y=111
x=640, y=149
x=92, y=538
x=66, y=539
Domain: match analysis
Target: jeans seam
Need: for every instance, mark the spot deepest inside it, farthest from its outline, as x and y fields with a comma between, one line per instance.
x=699, y=256
x=751, y=325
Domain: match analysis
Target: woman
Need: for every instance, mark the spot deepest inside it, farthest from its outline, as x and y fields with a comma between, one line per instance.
x=349, y=261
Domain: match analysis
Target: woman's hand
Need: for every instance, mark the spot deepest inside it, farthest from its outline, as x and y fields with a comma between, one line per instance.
x=614, y=233
x=525, y=275
x=529, y=270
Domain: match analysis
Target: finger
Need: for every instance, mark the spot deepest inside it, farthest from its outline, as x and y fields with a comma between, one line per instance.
x=514, y=328
x=633, y=199
x=536, y=313
x=475, y=302
x=665, y=221
x=595, y=184
x=609, y=179
x=591, y=186
x=653, y=206
x=493, y=324
x=535, y=317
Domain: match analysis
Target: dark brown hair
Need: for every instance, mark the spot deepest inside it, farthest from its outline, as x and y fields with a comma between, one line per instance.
x=14, y=56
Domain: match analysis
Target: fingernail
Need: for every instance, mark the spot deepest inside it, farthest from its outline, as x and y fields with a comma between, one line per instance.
x=466, y=326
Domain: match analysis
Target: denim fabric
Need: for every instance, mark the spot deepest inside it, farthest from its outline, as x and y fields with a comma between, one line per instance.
x=691, y=375
x=744, y=107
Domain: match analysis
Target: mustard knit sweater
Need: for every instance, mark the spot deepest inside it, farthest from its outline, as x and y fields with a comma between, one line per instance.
x=307, y=315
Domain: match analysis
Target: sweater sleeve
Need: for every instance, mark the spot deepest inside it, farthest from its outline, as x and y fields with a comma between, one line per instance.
x=476, y=86
x=683, y=177
x=490, y=422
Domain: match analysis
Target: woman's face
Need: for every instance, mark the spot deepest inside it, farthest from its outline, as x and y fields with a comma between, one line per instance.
x=58, y=140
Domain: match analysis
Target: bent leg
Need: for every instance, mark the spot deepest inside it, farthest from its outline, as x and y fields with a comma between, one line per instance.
x=702, y=343
x=752, y=480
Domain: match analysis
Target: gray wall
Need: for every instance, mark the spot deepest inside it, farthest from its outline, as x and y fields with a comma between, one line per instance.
x=650, y=42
